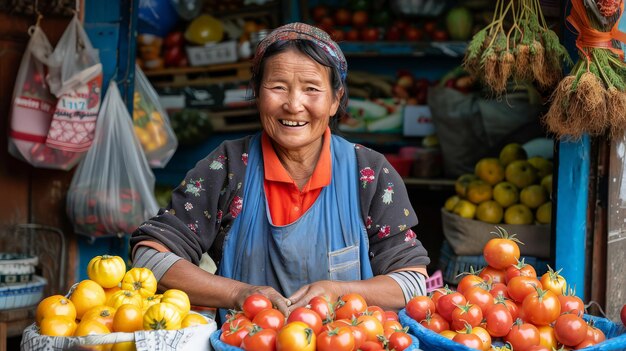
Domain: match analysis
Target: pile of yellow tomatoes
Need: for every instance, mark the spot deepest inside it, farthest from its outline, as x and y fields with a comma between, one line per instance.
x=115, y=300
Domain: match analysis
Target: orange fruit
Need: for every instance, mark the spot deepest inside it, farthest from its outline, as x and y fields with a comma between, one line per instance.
x=86, y=295
x=57, y=326
x=128, y=318
x=490, y=170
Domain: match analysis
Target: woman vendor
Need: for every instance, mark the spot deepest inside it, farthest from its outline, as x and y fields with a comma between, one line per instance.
x=294, y=211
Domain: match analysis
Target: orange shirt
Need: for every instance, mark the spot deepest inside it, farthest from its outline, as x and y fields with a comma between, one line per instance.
x=286, y=202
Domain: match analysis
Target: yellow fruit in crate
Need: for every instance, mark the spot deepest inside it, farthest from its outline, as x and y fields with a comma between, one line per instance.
x=533, y=196
x=518, y=214
x=128, y=318
x=110, y=291
x=162, y=316
x=192, y=319
x=520, y=173
x=451, y=202
x=141, y=280
x=542, y=165
x=461, y=183
x=106, y=270
x=123, y=297
x=489, y=212
x=91, y=327
x=544, y=213
x=465, y=209
x=124, y=346
x=177, y=298
x=479, y=191
x=103, y=314
x=506, y=194
x=490, y=170
x=546, y=183
x=55, y=305
x=57, y=326
x=86, y=295
x=151, y=300
x=512, y=152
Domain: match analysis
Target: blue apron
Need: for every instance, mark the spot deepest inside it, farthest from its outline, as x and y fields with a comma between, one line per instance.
x=328, y=242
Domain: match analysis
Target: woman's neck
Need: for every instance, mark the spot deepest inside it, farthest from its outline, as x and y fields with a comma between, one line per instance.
x=300, y=163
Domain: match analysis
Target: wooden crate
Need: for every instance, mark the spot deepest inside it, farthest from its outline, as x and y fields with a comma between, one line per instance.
x=235, y=120
x=194, y=76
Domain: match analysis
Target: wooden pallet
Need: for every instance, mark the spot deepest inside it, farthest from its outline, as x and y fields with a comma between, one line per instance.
x=235, y=120
x=193, y=76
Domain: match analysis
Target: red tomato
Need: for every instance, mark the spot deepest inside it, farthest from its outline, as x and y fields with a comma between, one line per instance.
x=492, y=274
x=399, y=341
x=254, y=304
x=438, y=293
x=569, y=329
x=340, y=339
x=269, y=318
x=371, y=326
x=372, y=346
x=436, y=323
x=547, y=337
x=499, y=320
x=499, y=289
x=375, y=311
x=413, y=34
x=622, y=314
x=308, y=316
x=468, y=339
x=479, y=297
x=522, y=336
x=501, y=252
x=391, y=316
x=349, y=305
x=519, y=287
x=521, y=268
x=553, y=281
x=541, y=307
x=468, y=282
x=259, y=340
x=323, y=307
x=369, y=34
x=234, y=321
x=359, y=336
x=572, y=304
x=447, y=303
x=296, y=336
x=392, y=325
x=419, y=306
x=465, y=314
x=594, y=334
x=235, y=334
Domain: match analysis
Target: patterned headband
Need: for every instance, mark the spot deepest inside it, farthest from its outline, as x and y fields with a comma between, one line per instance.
x=302, y=31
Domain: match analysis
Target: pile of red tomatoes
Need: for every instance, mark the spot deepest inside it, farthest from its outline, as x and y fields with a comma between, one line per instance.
x=508, y=302
x=347, y=324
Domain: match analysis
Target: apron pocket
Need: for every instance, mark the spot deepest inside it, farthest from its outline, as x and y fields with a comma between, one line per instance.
x=344, y=264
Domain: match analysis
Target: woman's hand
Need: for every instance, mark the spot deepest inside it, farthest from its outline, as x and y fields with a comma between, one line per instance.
x=323, y=287
x=278, y=300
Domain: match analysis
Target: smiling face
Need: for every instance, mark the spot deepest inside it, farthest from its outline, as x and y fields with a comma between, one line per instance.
x=295, y=100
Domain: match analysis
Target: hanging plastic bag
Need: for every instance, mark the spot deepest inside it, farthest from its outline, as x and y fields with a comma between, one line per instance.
x=75, y=77
x=112, y=191
x=32, y=108
x=152, y=124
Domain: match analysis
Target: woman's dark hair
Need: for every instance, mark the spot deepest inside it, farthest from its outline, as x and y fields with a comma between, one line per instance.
x=316, y=53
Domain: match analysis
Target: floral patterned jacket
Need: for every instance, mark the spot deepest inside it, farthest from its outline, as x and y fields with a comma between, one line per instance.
x=207, y=201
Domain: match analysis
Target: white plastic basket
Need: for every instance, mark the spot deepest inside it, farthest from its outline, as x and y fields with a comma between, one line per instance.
x=21, y=294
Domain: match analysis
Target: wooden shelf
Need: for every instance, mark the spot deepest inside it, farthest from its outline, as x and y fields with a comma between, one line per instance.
x=403, y=48
x=432, y=183
x=201, y=75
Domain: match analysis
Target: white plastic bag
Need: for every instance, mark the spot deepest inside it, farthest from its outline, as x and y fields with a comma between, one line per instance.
x=112, y=191
x=32, y=109
x=152, y=124
x=75, y=77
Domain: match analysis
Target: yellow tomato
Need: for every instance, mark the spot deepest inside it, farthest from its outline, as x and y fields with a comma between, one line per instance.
x=125, y=297
x=55, y=305
x=295, y=336
x=162, y=316
x=192, y=319
x=103, y=314
x=151, y=300
x=177, y=298
x=124, y=346
x=141, y=280
x=92, y=327
x=110, y=291
x=106, y=270
x=57, y=326
x=448, y=334
x=87, y=294
x=128, y=318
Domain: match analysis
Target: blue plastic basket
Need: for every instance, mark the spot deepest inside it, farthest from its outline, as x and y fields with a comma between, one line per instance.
x=452, y=265
x=219, y=345
x=429, y=340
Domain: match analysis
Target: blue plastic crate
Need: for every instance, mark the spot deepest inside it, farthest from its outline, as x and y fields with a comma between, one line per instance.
x=452, y=265
x=219, y=345
x=429, y=340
